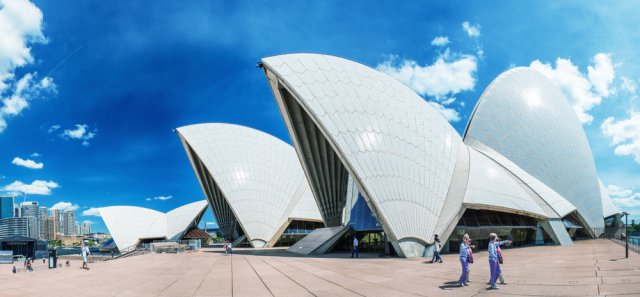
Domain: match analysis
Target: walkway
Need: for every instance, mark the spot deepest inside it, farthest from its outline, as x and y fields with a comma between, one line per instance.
x=589, y=268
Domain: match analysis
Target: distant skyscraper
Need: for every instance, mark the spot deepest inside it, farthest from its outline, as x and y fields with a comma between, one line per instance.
x=30, y=209
x=14, y=227
x=57, y=223
x=47, y=229
x=6, y=207
x=42, y=219
x=69, y=220
x=42, y=212
x=85, y=228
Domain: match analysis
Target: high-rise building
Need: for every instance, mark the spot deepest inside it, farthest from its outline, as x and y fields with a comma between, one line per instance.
x=69, y=221
x=6, y=207
x=85, y=228
x=14, y=227
x=47, y=229
x=57, y=223
x=42, y=218
x=30, y=209
x=43, y=212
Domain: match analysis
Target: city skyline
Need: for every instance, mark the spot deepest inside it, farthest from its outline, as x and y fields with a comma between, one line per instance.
x=88, y=106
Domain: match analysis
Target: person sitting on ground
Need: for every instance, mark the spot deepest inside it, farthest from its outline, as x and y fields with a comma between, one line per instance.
x=14, y=269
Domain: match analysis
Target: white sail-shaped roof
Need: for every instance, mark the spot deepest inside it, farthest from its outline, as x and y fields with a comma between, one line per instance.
x=128, y=224
x=250, y=178
x=181, y=218
x=398, y=149
x=492, y=187
x=525, y=118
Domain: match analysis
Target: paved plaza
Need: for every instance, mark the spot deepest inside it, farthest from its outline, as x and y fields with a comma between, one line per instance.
x=588, y=268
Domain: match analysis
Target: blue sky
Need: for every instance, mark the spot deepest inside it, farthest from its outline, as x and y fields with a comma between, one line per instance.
x=92, y=90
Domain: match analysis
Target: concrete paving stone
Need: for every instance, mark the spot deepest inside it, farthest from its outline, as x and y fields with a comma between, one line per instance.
x=588, y=268
x=609, y=289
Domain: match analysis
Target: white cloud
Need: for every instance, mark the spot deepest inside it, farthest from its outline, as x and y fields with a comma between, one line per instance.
x=62, y=206
x=440, y=41
x=35, y=155
x=624, y=134
x=37, y=187
x=449, y=113
x=617, y=191
x=623, y=198
x=54, y=128
x=442, y=80
x=80, y=132
x=91, y=212
x=27, y=163
x=88, y=222
x=161, y=198
x=472, y=30
x=601, y=74
x=20, y=26
x=443, y=77
x=628, y=85
x=583, y=91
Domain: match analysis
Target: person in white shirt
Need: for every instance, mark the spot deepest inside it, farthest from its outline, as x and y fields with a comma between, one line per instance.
x=436, y=250
x=85, y=257
x=354, y=249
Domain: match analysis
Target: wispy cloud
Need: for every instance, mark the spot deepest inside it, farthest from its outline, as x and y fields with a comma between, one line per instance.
x=471, y=30
x=623, y=197
x=624, y=134
x=161, y=198
x=584, y=91
x=21, y=25
x=27, y=163
x=62, y=206
x=91, y=212
x=449, y=75
x=80, y=132
x=440, y=41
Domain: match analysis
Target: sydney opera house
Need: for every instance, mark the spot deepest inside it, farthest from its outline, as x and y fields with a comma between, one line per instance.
x=131, y=225
x=373, y=159
x=254, y=183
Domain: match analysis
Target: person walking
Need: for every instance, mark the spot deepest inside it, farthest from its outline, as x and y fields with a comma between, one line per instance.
x=471, y=247
x=354, y=248
x=85, y=257
x=494, y=243
x=464, y=260
x=436, y=250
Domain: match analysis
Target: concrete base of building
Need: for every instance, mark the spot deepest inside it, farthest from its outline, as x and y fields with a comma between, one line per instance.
x=319, y=241
x=409, y=247
x=556, y=229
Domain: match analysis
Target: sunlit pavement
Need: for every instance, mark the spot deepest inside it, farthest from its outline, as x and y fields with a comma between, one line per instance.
x=589, y=268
